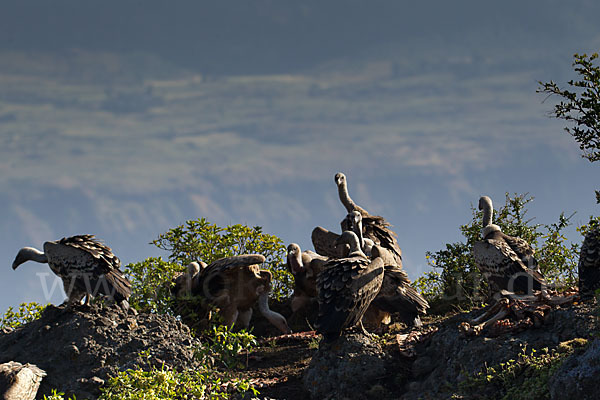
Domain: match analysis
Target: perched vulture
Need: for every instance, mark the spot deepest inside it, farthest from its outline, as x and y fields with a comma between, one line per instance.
x=234, y=285
x=396, y=296
x=305, y=267
x=589, y=264
x=345, y=289
x=374, y=227
x=86, y=266
x=507, y=262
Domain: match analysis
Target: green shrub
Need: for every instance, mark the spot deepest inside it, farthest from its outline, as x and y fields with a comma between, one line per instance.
x=27, y=312
x=455, y=279
x=222, y=347
x=167, y=384
x=199, y=240
x=58, y=396
x=151, y=282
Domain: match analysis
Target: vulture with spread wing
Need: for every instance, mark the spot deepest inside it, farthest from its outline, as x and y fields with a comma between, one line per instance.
x=234, y=284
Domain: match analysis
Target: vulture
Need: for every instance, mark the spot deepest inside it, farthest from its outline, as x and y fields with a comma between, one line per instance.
x=589, y=264
x=345, y=288
x=305, y=267
x=182, y=283
x=374, y=227
x=507, y=262
x=234, y=285
x=396, y=296
x=86, y=267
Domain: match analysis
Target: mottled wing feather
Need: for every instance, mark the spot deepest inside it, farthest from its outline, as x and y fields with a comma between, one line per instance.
x=589, y=263
x=396, y=294
x=502, y=266
x=234, y=262
x=99, y=272
x=523, y=250
x=385, y=237
x=88, y=243
x=345, y=289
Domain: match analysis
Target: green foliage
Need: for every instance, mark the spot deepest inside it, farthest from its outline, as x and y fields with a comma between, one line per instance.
x=27, y=312
x=199, y=240
x=222, y=347
x=525, y=377
x=151, y=281
x=459, y=281
x=58, y=396
x=167, y=384
x=581, y=106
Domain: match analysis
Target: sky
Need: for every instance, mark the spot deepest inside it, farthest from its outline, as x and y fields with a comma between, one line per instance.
x=125, y=118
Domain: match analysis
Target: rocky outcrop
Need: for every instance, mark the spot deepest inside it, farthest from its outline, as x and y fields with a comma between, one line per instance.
x=349, y=367
x=80, y=348
x=577, y=377
x=449, y=357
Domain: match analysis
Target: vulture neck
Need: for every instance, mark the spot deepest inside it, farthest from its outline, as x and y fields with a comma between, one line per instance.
x=295, y=262
x=274, y=318
x=488, y=210
x=345, y=197
x=357, y=228
x=355, y=250
x=30, y=254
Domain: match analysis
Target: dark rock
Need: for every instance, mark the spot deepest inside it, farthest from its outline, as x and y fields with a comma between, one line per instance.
x=449, y=357
x=80, y=348
x=348, y=367
x=577, y=377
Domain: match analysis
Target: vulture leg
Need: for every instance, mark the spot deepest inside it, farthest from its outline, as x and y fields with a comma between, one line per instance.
x=299, y=302
x=230, y=315
x=243, y=319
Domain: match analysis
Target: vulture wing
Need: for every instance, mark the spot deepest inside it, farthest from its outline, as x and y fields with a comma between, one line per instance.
x=589, y=264
x=345, y=289
x=504, y=268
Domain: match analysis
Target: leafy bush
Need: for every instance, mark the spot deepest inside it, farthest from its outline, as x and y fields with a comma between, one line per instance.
x=27, y=312
x=460, y=283
x=222, y=347
x=199, y=240
x=58, y=396
x=167, y=384
x=151, y=282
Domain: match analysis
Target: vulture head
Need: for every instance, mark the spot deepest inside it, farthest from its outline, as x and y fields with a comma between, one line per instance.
x=485, y=203
x=294, y=258
x=340, y=179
